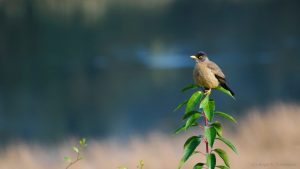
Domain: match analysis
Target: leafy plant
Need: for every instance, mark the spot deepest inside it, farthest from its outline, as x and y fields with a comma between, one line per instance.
x=201, y=106
x=77, y=150
x=139, y=166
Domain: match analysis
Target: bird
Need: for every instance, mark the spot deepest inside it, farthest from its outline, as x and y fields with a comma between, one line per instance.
x=208, y=74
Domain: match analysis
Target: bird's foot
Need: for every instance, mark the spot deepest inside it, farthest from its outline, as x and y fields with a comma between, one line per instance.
x=207, y=91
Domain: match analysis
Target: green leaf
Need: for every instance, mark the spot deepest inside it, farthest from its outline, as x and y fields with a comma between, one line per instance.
x=228, y=143
x=196, y=152
x=210, y=134
x=193, y=101
x=225, y=115
x=211, y=161
x=187, y=142
x=188, y=87
x=217, y=125
x=68, y=159
x=82, y=142
x=122, y=167
x=204, y=102
x=75, y=149
x=208, y=107
x=222, y=167
x=189, y=114
x=182, y=128
x=220, y=88
x=180, y=105
x=198, y=166
x=141, y=164
x=223, y=155
x=191, y=120
x=189, y=150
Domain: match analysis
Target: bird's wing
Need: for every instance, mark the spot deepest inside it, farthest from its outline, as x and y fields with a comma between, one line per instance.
x=216, y=70
x=219, y=75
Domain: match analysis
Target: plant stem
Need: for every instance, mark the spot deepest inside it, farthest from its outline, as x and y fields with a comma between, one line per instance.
x=75, y=161
x=206, y=122
x=206, y=125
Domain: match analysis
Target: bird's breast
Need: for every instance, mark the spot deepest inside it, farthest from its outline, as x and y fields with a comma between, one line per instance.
x=203, y=76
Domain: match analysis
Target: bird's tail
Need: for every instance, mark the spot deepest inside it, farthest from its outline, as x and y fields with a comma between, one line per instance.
x=224, y=85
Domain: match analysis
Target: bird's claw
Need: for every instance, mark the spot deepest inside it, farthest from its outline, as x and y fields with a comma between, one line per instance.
x=206, y=92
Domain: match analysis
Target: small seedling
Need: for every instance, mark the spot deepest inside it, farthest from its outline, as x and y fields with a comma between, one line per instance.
x=200, y=106
x=122, y=167
x=139, y=166
x=77, y=149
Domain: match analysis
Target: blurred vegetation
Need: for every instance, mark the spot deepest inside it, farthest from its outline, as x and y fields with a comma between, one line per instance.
x=276, y=125
x=96, y=67
x=78, y=150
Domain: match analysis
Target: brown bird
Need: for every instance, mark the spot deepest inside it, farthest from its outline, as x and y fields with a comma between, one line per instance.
x=208, y=74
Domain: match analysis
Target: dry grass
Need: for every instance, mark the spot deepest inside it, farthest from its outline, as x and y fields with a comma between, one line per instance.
x=265, y=139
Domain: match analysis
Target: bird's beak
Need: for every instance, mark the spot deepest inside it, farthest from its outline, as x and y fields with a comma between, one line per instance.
x=193, y=57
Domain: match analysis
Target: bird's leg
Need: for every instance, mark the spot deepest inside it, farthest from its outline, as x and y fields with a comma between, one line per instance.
x=207, y=91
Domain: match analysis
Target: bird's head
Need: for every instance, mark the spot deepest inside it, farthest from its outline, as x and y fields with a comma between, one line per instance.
x=200, y=57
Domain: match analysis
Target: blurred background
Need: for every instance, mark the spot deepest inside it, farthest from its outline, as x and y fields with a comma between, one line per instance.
x=114, y=68
x=97, y=68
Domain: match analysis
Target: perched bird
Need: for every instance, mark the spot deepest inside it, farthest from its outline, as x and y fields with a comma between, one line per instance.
x=208, y=74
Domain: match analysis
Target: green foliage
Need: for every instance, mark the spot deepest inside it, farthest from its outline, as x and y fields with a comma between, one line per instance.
x=141, y=164
x=68, y=159
x=211, y=160
x=122, y=167
x=225, y=115
x=220, y=88
x=208, y=107
x=222, y=167
x=182, y=127
x=204, y=102
x=180, y=105
x=188, y=87
x=189, y=147
x=191, y=120
x=189, y=114
x=223, y=155
x=199, y=166
x=193, y=102
x=189, y=140
x=199, y=105
x=210, y=134
x=228, y=143
x=218, y=127
x=82, y=142
x=77, y=150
